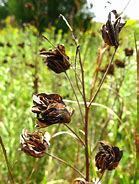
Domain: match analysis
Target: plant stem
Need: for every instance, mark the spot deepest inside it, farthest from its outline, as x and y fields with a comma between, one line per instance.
x=100, y=54
x=82, y=72
x=80, y=61
x=6, y=159
x=102, y=81
x=86, y=143
x=70, y=28
x=74, y=93
x=66, y=163
x=101, y=177
x=84, y=99
x=79, y=139
x=76, y=75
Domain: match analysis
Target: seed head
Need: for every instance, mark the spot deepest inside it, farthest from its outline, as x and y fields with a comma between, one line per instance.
x=50, y=109
x=112, y=28
x=34, y=144
x=108, y=157
x=56, y=59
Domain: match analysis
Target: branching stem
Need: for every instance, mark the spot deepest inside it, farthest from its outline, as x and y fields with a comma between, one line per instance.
x=79, y=139
x=103, y=78
x=74, y=94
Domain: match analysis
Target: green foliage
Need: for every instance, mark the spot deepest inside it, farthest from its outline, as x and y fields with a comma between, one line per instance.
x=17, y=85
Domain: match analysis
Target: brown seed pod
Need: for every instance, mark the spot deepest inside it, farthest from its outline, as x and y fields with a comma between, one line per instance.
x=119, y=63
x=110, y=31
x=22, y=44
x=50, y=109
x=34, y=144
x=8, y=44
x=129, y=51
x=1, y=44
x=56, y=59
x=108, y=157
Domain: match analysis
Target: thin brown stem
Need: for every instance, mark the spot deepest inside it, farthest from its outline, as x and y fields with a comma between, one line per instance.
x=86, y=143
x=79, y=139
x=70, y=28
x=33, y=170
x=103, y=79
x=7, y=162
x=101, y=177
x=83, y=83
x=74, y=94
x=66, y=163
x=86, y=117
x=100, y=54
x=76, y=75
x=80, y=61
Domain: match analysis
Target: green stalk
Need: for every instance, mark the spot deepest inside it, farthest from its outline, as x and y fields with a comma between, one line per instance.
x=7, y=162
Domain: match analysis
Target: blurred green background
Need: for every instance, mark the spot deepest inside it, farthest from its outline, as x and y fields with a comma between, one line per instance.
x=23, y=73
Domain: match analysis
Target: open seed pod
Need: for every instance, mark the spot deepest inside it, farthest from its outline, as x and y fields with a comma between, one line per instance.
x=50, y=109
x=112, y=28
x=129, y=51
x=56, y=59
x=34, y=144
x=108, y=157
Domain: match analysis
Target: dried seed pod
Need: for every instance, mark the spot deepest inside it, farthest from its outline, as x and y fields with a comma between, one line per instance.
x=1, y=44
x=5, y=61
x=110, y=31
x=22, y=44
x=56, y=59
x=8, y=44
x=119, y=63
x=110, y=70
x=50, y=109
x=108, y=157
x=129, y=51
x=34, y=144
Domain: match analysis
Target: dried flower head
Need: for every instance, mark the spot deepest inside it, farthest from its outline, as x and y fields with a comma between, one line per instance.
x=22, y=44
x=108, y=157
x=50, y=109
x=129, y=51
x=34, y=144
x=119, y=63
x=56, y=59
x=1, y=44
x=110, y=31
